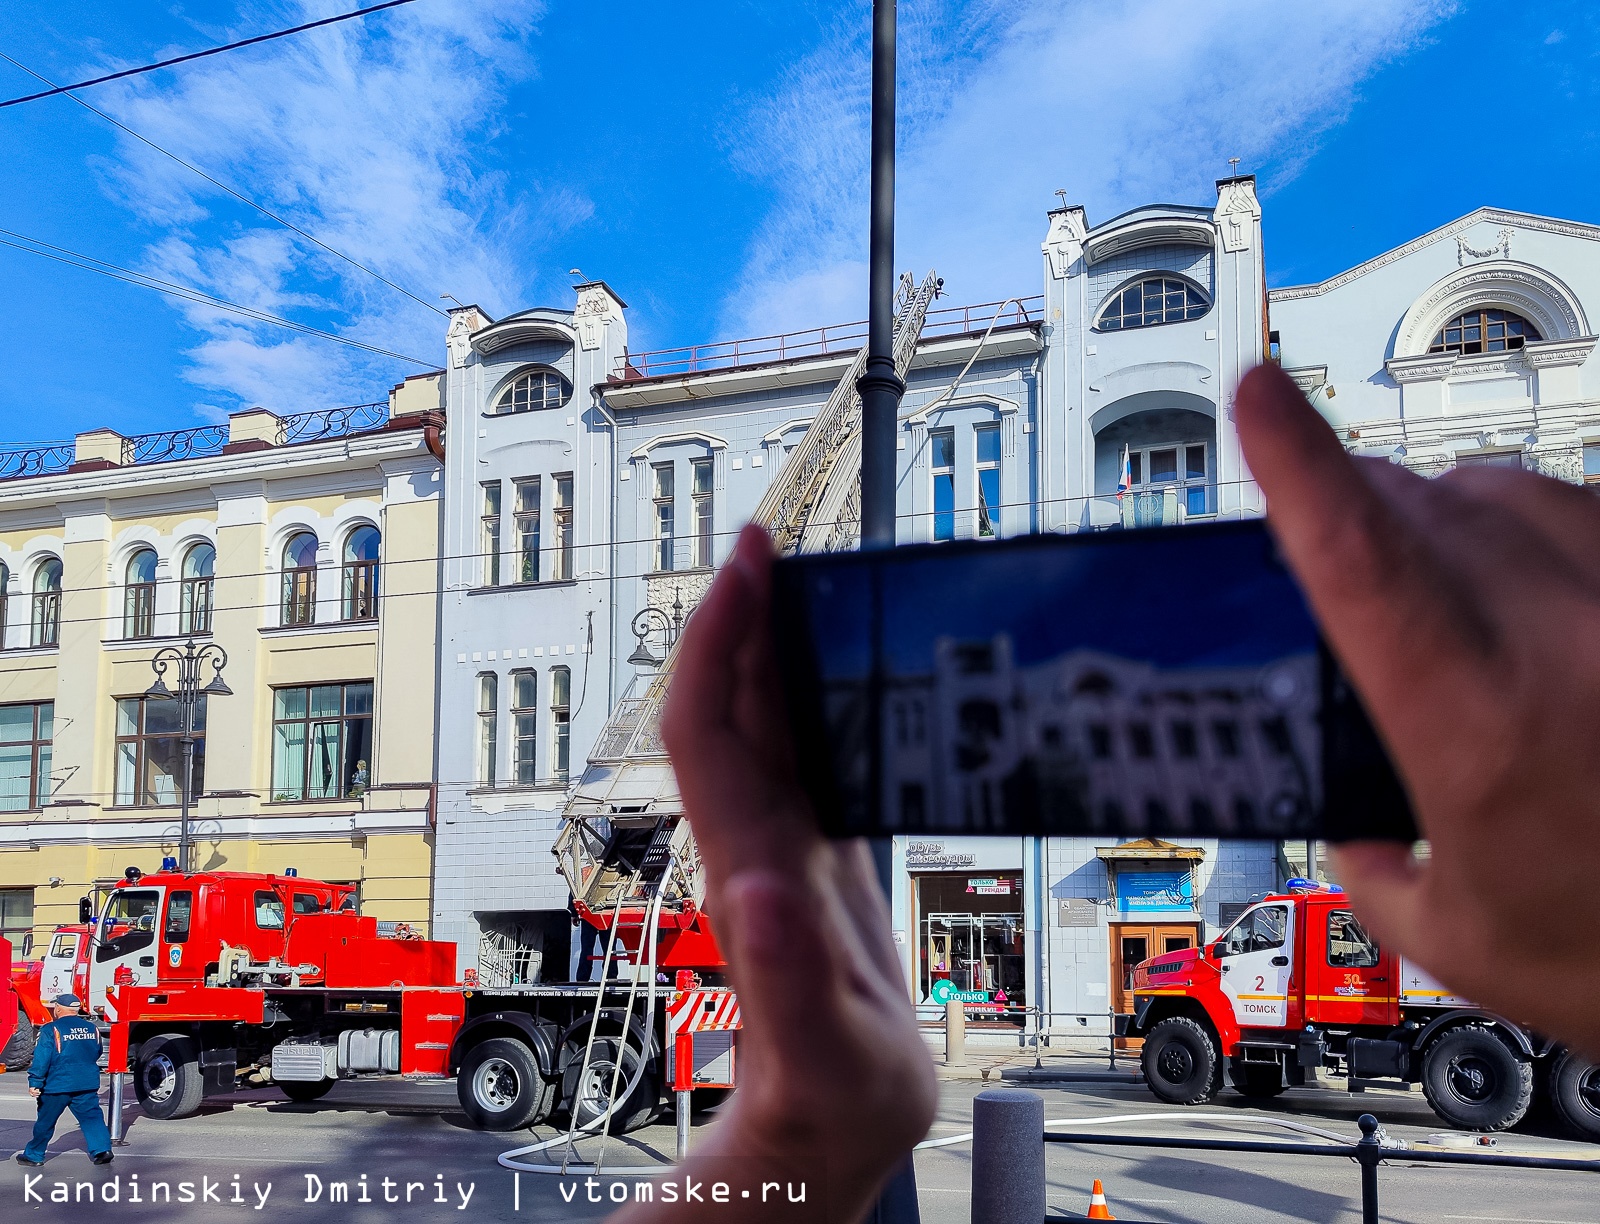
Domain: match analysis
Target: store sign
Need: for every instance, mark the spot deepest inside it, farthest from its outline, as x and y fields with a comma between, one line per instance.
x=944, y=991
x=989, y=886
x=1144, y=892
x=931, y=854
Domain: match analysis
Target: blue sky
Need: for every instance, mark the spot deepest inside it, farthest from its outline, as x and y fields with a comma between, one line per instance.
x=708, y=161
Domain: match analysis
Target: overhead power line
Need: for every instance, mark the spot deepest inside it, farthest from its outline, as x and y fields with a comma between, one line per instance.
x=238, y=195
x=88, y=263
x=194, y=55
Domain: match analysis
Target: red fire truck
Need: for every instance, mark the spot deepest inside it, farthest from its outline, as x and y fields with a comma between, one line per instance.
x=217, y=980
x=1295, y=986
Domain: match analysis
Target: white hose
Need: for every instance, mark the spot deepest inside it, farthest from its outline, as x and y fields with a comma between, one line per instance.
x=509, y=1159
x=1285, y=1123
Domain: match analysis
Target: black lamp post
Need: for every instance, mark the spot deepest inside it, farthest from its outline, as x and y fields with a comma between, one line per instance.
x=188, y=661
x=650, y=620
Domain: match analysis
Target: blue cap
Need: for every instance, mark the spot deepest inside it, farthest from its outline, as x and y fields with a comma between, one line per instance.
x=66, y=1000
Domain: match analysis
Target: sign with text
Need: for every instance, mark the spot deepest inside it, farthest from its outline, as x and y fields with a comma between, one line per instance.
x=1145, y=892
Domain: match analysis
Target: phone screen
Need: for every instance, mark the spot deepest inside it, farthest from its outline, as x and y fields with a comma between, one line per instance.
x=1152, y=683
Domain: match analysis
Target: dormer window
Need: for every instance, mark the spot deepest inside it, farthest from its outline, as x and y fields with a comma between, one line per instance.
x=1484, y=331
x=540, y=387
x=1154, y=300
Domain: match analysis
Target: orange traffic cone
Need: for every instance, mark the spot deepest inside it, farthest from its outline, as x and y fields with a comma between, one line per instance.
x=1097, y=1203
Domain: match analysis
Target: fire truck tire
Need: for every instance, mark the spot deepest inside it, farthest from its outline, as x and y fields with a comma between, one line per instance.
x=588, y=1097
x=499, y=1086
x=1575, y=1093
x=1473, y=1080
x=1258, y=1083
x=1181, y=1062
x=167, y=1078
x=304, y=1091
x=19, y=1049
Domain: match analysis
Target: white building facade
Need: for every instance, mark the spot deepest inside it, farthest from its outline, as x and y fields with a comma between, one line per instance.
x=1018, y=417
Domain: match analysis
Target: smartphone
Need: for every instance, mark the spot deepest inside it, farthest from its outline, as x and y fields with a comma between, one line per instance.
x=1166, y=682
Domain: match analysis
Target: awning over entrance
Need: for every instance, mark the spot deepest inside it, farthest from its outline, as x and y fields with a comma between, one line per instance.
x=1149, y=849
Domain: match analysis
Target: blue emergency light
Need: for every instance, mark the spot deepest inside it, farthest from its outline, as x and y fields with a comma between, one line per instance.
x=1301, y=884
x=290, y=871
x=169, y=863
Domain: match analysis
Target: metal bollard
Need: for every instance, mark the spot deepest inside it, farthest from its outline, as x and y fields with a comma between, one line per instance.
x=117, y=1079
x=683, y=1124
x=1008, y=1157
x=1368, y=1153
x=955, y=1033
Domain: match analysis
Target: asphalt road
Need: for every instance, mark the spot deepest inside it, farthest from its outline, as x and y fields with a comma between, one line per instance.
x=413, y=1135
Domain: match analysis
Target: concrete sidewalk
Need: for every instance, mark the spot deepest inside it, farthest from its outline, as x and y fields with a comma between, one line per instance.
x=1018, y=1067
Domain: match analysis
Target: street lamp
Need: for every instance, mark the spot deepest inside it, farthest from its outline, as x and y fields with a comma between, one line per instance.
x=188, y=661
x=650, y=620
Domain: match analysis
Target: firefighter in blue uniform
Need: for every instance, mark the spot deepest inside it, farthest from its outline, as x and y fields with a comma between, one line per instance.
x=66, y=1075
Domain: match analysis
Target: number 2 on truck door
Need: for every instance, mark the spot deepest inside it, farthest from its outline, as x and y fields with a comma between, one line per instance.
x=1255, y=966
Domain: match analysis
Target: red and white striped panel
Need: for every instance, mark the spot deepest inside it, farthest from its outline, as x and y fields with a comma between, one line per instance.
x=703, y=1011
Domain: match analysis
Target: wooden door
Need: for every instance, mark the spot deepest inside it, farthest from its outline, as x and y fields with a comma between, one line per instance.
x=1132, y=943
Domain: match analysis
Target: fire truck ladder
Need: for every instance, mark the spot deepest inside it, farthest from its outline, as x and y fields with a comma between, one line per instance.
x=627, y=787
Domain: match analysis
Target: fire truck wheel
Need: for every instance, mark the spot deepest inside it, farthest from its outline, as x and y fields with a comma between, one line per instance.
x=19, y=1049
x=588, y=1094
x=1181, y=1062
x=1575, y=1092
x=303, y=1091
x=1257, y=1082
x=1473, y=1081
x=499, y=1086
x=167, y=1079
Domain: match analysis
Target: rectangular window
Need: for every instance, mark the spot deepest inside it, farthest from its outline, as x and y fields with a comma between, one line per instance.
x=180, y=909
x=139, y=610
x=1591, y=462
x=525, y=727
x=561, y=513
x=489, y=533
x=987, y=440
x=1180, y=465
x=1511, y=459
x=269, y=910
x=25, y=734
x=561, y=721
x=16, y=919
x=942, y=443
x=701, y=471
x=149, y=755
x=665, y=482
x=488, y=726
x=321, y=741
x=194, y=605
x=527, y=527
x=1349, y=947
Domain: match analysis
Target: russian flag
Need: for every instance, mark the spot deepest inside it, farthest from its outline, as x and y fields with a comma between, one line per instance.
x=1125, y=479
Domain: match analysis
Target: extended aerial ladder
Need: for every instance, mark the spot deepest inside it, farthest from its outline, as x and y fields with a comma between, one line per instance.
x=623, y=839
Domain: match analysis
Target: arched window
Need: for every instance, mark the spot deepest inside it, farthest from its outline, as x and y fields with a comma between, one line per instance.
x=1484, y=331
x=1156, y=299
x=540, y=387
x=194, y=601
x=300, y=579
x=47, y=603
x=139, y=595
x=360, y=574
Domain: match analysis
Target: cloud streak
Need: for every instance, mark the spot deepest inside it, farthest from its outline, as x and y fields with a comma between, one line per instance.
x=1118, y=103
x=363, y=134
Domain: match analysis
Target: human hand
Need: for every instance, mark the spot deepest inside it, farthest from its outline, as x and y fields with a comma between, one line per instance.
x=1466, y=611
x=836, y=1084
x=35, y=1091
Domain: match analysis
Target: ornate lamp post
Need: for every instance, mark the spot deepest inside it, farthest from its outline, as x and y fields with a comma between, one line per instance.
x=650, y=620
x=188, y=662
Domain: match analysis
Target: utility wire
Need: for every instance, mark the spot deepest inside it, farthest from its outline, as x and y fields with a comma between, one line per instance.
x=240, y=196
x=187, y=293
x=194, y=55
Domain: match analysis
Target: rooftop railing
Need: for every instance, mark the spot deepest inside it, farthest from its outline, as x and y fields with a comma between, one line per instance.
x=200, y=442
x=840, y=338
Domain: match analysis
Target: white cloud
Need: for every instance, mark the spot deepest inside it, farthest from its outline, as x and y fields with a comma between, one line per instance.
x=1118, y=103
x=365, y=135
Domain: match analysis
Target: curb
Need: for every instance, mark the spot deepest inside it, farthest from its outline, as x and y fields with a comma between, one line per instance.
x=1047, y=1075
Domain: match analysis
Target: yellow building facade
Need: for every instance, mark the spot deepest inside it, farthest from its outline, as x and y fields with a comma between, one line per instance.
x=307, y=549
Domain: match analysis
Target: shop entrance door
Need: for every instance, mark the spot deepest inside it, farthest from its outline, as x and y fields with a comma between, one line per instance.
x=975, y=952
x=1132, y=943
